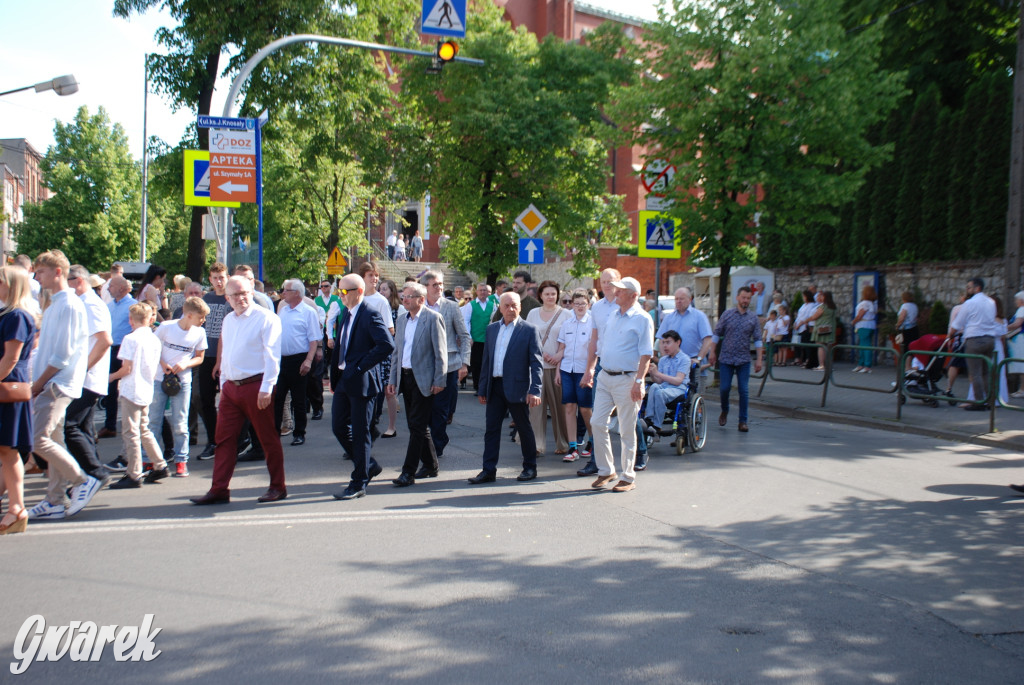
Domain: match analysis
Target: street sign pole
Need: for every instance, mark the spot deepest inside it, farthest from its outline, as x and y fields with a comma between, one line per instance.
x=259, y=186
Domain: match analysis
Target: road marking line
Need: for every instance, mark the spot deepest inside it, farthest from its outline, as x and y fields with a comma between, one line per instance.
x=268, y=519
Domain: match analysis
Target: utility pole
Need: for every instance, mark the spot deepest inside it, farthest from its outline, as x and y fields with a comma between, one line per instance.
x=1015, y=210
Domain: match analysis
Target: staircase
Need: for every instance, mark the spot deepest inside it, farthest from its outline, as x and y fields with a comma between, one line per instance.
x=398, y=271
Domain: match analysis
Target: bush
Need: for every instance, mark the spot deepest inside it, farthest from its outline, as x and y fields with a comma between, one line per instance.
x=938, y=319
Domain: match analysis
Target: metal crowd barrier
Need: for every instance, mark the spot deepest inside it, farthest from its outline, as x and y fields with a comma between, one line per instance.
x=998, y=373
x=990, y=392
x=770, y=367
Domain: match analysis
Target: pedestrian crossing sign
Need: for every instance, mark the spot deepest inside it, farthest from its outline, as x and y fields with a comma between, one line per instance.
x=444, y=18
x=660, y=236
x=197, y=181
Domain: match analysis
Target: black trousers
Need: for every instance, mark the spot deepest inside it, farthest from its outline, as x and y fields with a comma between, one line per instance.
x=80, y=433
x=444, y=406
x=476, y=359
x=110, y=401
x=418, y=410
x=289, y=380
x=497, y=407
x=208, y=389
x=315, y=384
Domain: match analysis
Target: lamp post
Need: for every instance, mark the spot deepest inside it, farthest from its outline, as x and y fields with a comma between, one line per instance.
x=62, y=85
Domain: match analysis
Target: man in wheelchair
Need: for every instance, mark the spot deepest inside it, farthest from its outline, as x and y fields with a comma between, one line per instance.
x=671, y=375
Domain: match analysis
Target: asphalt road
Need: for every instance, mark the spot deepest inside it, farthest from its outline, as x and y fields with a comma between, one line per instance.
x=801, y=552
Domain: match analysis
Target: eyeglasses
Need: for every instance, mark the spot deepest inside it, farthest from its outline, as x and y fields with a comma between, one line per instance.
x=325, y=285
x=437, y=284
x=243, y=293
x=346, y=291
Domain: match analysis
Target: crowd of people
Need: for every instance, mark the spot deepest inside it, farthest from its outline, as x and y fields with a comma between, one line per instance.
x=250, y=366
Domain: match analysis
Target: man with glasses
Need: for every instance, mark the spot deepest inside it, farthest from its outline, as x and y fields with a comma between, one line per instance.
x=121, y=302
x=458, y=349
x=248, y=365
x=300, y=340
x=361, y=343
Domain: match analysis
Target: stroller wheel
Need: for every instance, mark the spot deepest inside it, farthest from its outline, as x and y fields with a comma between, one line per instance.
x=932, y=403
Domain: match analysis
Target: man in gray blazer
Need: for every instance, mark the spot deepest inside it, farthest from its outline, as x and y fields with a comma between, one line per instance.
x=459, y=344
x=510, y=378
x=419, y=366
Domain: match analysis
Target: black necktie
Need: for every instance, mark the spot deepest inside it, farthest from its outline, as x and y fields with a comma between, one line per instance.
x=342, y=336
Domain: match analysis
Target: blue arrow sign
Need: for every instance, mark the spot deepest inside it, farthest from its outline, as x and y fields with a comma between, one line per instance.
x=531, y=251
x=237, y=123
x=444, y=18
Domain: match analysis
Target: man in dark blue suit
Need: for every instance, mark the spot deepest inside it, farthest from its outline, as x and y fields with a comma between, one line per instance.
x=361, y=343
x=510, y=377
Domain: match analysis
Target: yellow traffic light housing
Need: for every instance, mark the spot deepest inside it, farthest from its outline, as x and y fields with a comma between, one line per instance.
x=446, y=50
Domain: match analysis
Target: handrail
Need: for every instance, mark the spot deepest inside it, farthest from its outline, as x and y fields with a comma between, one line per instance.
x=990, y=391
x=861, y=348
x=823, y=381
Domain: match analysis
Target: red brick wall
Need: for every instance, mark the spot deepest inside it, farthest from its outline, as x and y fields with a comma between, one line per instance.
x=640, y=268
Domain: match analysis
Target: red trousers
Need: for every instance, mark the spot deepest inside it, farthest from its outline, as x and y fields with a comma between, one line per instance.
x=237, y=403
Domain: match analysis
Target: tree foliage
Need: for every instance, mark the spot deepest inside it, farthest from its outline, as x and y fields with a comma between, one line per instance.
x=93, y=213
x=527, y=127
x=764, y=109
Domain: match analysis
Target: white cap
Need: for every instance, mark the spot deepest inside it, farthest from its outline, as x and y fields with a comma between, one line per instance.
x=628, y=283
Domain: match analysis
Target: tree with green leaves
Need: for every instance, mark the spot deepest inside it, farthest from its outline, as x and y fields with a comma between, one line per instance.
x=96, y=195
x=764, y=109
x=524, y=128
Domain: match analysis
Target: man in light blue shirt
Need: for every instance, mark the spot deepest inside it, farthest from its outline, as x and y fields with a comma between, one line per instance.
x=121, y=301
x=671, y=376
x=693, y=328
x=625, y=349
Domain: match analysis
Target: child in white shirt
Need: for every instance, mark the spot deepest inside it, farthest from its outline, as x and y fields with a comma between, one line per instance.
x=140, y=354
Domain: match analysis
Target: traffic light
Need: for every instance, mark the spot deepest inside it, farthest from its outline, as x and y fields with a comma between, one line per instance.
x=446, y=51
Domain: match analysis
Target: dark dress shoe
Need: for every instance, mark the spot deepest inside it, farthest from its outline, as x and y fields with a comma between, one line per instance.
x=207, y=453
x=1018, y=488
x=375, y=470
x=126, y=482
x=351, y=492
x=742, y=427
x=722, y=418
x=483, y=477
x=527, y=474
x=404, y=480
x=156, y=475
x=106, y=433
x=588, y=470
x=425, y=472
x=299, y=440
x=212, y=498
x=317, y=415
x=385, y=434
x=272, y=495
x=252, y=455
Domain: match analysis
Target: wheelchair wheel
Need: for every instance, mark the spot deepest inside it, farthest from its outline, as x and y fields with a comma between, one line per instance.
x=697, y=425
x=680, y=444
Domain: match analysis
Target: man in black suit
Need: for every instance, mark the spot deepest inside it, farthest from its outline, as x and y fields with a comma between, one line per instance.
x=510, y=378
x=362, y=342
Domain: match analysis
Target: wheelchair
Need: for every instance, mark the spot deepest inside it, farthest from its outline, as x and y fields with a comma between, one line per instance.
x=688, y=416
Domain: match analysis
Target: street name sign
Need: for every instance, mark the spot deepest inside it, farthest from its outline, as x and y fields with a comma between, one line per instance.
x=660, y=236
x=444, y=18
x=236, y=123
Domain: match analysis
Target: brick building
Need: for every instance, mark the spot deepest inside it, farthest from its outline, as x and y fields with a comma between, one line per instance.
x=21, y=184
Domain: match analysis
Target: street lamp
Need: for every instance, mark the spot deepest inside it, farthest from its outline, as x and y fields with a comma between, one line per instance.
x=62, y=85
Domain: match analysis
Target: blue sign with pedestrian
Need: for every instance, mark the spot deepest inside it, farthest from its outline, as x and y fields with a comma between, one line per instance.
x=444, y=18
x=201, y=176
x=531, y=251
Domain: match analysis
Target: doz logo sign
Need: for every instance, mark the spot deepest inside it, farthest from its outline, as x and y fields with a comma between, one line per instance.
x=234, y=142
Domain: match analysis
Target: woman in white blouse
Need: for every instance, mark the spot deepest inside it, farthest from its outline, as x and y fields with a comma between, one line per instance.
x=864, y=325
x=548, y=319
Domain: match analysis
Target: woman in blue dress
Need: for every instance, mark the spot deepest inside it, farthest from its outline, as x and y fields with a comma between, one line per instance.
x=17, y=338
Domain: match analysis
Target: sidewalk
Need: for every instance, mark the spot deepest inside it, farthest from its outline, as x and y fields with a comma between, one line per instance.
x=862, y=407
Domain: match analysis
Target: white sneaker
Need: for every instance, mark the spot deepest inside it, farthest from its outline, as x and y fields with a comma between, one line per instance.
x=572, y=455
x=82, y=494
x=46, y=511
x=1019, y=393
x=857, y=369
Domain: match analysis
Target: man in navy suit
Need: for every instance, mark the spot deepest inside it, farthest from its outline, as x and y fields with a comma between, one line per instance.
x=510, y=376
x=361, y=343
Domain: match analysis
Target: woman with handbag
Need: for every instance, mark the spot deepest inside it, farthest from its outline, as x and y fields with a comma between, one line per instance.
x=824, y=319
x=17, y=337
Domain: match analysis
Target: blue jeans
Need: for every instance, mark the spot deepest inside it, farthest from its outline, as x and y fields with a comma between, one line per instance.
x=178, y=418
x=742, y=373
x=864, y=338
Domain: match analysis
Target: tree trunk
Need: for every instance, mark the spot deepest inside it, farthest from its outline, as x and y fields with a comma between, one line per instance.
x=195, y=263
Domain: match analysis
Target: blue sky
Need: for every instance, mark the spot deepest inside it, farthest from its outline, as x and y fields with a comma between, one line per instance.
x=47, y=38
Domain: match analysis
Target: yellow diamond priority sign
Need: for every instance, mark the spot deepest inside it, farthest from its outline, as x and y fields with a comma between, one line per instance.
x=531, y=220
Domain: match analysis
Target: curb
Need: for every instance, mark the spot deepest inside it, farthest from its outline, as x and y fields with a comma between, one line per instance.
x=982, y=439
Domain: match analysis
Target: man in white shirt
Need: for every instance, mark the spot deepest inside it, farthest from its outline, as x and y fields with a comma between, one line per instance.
x=61, y=361
x=79, y=420
x=300, y=339
x=249, y=363
x=976, y=321
x=599, y=314
x=392, y=241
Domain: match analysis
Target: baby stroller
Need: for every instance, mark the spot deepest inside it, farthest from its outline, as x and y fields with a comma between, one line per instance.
x=926, y=371
x=688, y=418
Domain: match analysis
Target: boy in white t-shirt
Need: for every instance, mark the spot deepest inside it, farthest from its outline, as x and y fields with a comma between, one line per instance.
x=183, y=348
x=140, y=356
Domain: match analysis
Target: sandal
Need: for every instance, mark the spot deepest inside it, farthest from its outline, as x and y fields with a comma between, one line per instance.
x=18, y=525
